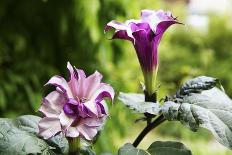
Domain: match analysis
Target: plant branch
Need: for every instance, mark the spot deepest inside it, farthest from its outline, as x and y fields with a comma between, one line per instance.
x=147, y=129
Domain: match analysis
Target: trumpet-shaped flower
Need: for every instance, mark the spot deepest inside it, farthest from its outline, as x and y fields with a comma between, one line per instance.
x=77, y=107
x=145, y=34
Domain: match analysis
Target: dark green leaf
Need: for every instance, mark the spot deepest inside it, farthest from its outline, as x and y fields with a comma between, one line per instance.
x=129, y=149
x=156, y=148
x=168, y=148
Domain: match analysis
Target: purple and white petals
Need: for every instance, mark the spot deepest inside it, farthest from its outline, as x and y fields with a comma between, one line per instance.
x=49, y=127
x=77, y=107
x=145, y=34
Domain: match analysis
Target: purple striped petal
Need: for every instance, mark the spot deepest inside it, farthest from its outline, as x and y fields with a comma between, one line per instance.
x=61, y=83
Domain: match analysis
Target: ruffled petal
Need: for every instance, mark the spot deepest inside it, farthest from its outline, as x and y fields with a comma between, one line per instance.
x=66, y=121
x=102, y=108
x=91, y=106
x=87, y=132
x=139, y=26
x=93, y=122
x=73, y=78
x=62, y=84
x=91, y=84
x=153, y=18
x=49, y=127
x=52, y=104
x=104, y=91
x=122, y=30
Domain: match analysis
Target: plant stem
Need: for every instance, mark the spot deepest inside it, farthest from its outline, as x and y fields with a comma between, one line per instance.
x=150, y=125
x=74, y=146
x=147, y=129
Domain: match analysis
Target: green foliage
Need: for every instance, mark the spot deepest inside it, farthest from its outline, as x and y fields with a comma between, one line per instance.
x=37, y=38
x=156, y=148
x=136, y=102
x=19, y=136
x=200, y=104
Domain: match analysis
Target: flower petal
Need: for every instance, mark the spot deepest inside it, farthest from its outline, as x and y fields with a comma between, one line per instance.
x=72, y=132
x=146, y=53
x=91, y=106
x=104, y=90
x=87, y=132
x=52, y=104
x=91, y=84
x=48, y=127
x=77, y=77
x=153, y=18
x=122, y=30
x=93, y=122
x=66, y=121
x=102, y=108
x=61, y=83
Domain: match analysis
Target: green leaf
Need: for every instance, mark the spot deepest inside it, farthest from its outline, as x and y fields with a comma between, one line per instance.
x=136, y=102
x=210, y=109
x=19, y=136
x=156, y=148
x=129, y=149
x=197, y=85
x=86, y=150
x=168, y=148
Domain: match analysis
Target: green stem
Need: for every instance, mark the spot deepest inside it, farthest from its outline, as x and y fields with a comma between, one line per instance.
x=150, y=125
x=74, y=146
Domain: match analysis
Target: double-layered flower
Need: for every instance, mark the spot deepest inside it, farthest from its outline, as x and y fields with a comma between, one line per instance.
x=77, y=107
x=145, y=34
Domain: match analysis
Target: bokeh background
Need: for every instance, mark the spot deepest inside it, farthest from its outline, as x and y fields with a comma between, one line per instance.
x=38, y=37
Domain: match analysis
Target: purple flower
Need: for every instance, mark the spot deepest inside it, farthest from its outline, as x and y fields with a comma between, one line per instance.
x=145, y=34
x=77, y=107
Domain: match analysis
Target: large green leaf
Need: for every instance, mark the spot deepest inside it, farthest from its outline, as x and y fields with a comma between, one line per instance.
x=19, y=136
x=156, y=148
x=208, y=108
x=129, y=149
x=168, y=148
x=136, y=102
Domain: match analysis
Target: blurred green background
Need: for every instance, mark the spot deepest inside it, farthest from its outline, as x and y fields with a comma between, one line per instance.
x=38, y=37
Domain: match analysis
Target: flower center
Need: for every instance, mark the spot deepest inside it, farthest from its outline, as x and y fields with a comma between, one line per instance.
x=76, y=108
x=81, y=100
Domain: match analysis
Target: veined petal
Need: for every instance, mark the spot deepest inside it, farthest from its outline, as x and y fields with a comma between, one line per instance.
x=66, y=121
x=104, y=90
x=102, y=108
x=61, y=83
x=144, y=49
x=87, y=132
x=91, y=84
x=77, y=77
x=93, y=122
x=153, y=18
x=48, y=127
x=139, y=26
x=73, y=78
x=91, y=106
x=52, y=104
